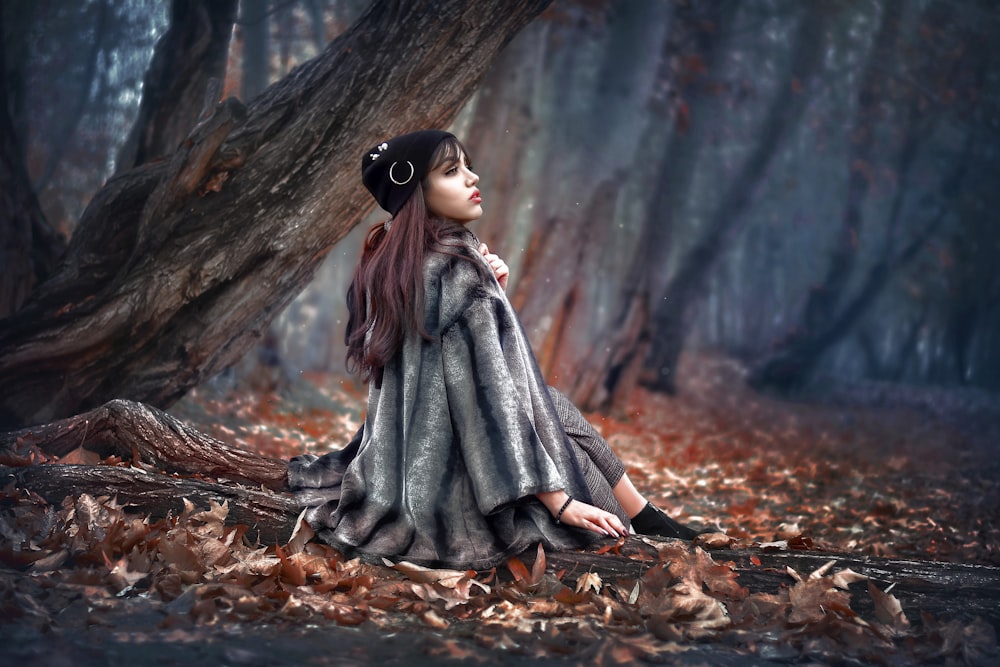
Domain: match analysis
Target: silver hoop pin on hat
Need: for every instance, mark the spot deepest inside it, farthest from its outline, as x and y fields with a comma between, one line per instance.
x=408, y=178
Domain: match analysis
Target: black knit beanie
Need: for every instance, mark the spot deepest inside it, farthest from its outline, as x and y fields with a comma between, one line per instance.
x=393, y=169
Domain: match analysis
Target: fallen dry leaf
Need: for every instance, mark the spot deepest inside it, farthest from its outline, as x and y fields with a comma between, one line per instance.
x=812, y=600
x=888, y=610
x=715, y=541
x=589, y=581
x=844, y=578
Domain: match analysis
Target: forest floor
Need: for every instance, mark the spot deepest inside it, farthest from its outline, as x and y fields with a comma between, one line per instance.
x=91, y=584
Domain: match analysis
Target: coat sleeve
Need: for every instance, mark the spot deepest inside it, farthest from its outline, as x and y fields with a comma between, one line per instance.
x=503, y=419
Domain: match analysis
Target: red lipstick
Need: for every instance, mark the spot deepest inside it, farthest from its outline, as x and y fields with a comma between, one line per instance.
x=476, y=197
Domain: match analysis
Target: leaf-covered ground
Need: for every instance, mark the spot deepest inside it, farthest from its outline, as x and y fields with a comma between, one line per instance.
x=91, y=583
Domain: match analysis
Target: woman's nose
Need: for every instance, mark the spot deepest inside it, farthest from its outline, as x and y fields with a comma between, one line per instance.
x=473, y=177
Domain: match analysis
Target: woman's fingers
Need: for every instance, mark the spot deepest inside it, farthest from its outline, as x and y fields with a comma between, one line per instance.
x=493, y=259
x=613, y=525
x=500, y=268
x=607, y=522
x=595, y=519
x=497, y=263
x=598, y=529
x=605, y=527
x=501, y=271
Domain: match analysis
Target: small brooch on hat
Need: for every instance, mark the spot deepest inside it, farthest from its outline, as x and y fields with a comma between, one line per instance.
x=381, y=147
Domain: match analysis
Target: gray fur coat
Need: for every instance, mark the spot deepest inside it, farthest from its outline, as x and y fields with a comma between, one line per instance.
x=457, y=440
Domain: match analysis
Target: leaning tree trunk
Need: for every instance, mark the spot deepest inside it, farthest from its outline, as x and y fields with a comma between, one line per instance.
x=178, y=266
x=193, y=51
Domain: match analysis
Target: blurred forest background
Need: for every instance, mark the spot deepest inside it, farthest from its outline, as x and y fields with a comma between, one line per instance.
x=806, y=187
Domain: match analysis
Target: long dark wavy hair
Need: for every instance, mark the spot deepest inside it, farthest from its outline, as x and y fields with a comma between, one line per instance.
x=386, y=298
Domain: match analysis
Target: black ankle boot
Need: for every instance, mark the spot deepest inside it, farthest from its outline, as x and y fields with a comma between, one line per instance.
x=652, y=521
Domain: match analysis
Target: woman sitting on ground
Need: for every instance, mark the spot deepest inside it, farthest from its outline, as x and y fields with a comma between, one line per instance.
x=466, y=457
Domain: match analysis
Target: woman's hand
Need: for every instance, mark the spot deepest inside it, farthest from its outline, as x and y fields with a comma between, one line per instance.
x=500, y=268
x=583, y=515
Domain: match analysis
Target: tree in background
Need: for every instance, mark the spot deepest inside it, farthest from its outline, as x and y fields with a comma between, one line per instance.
x=890, y=137
x=29, y=247
x=711, y=229
x=192, y=53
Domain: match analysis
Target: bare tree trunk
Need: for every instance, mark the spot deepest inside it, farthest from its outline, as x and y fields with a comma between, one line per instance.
x=178, y=266
x=672, y=312
x=29, y=247
x=256, y=23
x=316, y=22
x=832, y=310
x=71, y=118
x=605, y=378
x=573, y=258
x=790, y=366
x=191, y=53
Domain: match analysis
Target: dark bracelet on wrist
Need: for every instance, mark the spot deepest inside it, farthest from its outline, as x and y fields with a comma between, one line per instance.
x=562, y=509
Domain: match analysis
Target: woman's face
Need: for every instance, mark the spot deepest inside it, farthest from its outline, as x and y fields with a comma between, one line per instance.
x=450, y=192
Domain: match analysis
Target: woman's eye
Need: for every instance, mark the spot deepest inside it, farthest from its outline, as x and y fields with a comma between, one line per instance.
x=452, y=170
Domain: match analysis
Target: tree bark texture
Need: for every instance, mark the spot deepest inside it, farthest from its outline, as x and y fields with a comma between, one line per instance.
x=193, y=51
x=178, y=267
x=269, y=516
x=169, y=461
x=147, y=437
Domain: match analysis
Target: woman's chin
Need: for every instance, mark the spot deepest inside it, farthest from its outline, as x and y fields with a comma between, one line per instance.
x=468, y=219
